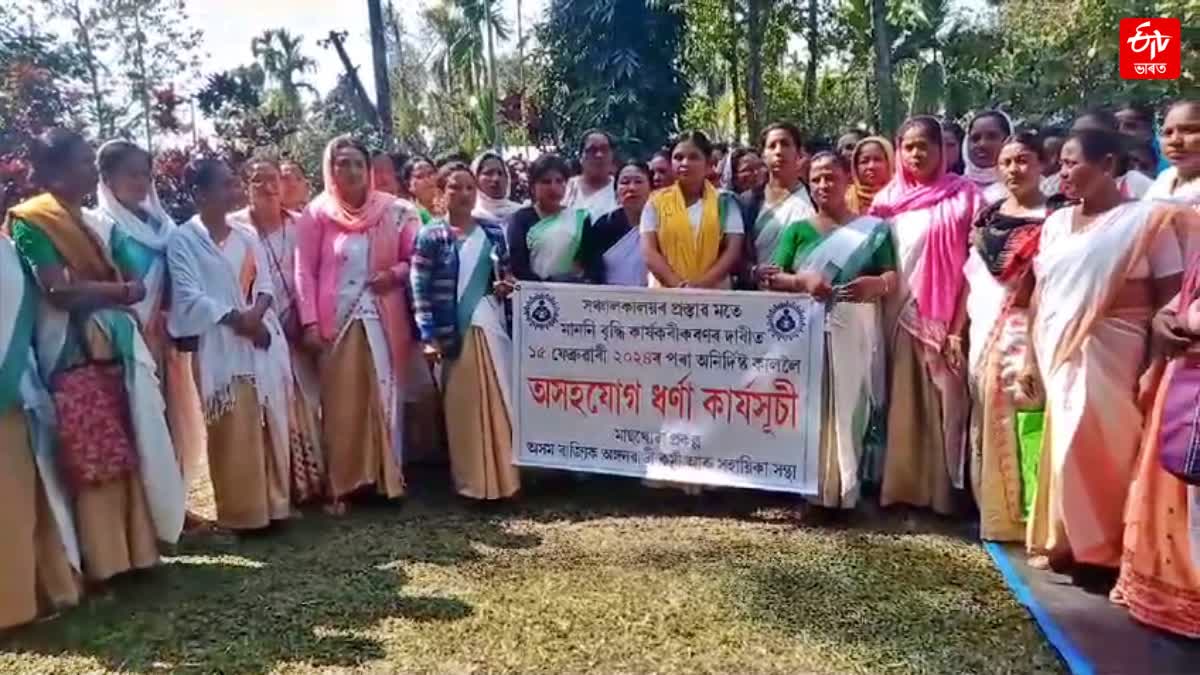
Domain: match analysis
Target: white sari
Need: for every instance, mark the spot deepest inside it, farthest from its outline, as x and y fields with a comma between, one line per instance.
x=774, y=220
x=39, y=408
x=206, y=288
x=157, y=464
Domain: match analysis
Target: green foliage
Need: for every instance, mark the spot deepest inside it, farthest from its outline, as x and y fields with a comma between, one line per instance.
x=279, y=54
x=603, y=72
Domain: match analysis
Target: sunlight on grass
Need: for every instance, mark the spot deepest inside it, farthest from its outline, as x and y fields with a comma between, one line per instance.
x=601, y=577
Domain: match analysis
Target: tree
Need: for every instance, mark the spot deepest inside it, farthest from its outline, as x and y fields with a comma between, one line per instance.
x=129, y=48
x=278, y=52
x=602, y=74
x=383, y=89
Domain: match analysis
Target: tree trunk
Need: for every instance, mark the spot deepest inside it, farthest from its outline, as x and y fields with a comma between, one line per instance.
x=383, y=88
x=756, y=13
x=810, y=77
x=884, y=85
x=734, y=68
x=491, y=71
x=364, y=106
x=90, y=61
x=139, y=64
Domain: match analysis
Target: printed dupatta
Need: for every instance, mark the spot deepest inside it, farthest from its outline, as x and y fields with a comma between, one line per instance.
x=554, y=244
x=774, y=220
x=843, y=254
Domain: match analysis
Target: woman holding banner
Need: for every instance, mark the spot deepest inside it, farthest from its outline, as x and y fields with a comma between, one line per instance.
x=456, y=295
x=613, y=255
x=931, y=213
x=837, y=249
x=691, y=233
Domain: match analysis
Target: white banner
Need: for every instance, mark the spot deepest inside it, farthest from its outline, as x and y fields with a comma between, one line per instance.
x=706, y=387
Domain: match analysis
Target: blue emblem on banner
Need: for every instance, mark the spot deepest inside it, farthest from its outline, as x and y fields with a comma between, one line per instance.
x=787, y=321
x=541, y=311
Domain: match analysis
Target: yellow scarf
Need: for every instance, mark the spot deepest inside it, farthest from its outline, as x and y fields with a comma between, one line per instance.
x=690, y=255
x=84, y=253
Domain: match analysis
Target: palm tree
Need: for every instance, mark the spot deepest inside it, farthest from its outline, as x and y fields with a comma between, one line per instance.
x=279, y=53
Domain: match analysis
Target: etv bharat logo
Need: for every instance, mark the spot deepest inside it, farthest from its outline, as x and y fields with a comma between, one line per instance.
x=1150, y=49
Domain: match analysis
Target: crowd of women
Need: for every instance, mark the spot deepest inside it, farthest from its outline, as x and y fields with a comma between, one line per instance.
x=1012, y=314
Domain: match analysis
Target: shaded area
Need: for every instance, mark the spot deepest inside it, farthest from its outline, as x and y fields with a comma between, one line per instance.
x=578, y=576
x=1098, y=636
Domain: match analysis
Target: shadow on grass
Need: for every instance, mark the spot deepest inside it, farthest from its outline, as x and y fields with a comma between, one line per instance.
x=897, y=603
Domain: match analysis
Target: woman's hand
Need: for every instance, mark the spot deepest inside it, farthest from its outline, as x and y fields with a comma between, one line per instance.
x=262, y=337
x=813, y=284
x=382, y=282
x=863, y=289
x=1167, y=334
x=952, y=351
x=135, y=292
x=504, y=287
x=763, y=274
x=311, y=340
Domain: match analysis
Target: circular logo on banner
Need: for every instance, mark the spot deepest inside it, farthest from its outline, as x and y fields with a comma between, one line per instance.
x=786, y=321
x=541, y=311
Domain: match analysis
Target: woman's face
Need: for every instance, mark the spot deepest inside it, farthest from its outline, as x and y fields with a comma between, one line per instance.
x=597, y=157
x=1131, y=122
x=633, y=187
x=950, y=145
x=691, y=164
x=846, y=143
x=549, y=190
x=873, y=167
x=1181, y=138
x=350, y=172
x=383, y=174
x=749, y=174
x=263, y=185
x=922, y=157
x=828, y=181
x=423, y=183
x=986, y=138
x=493, y=180
x=131, y=180
x=79, y=175
x=1053, y=147
x=460, y=193
x=295, y=185
x=223, y=193
x=1021, y=169
x=1080, y=177
x=663, y=174
x=780, y=152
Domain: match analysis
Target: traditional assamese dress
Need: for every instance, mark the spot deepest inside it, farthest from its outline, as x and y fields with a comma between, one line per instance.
x=595, y=203
x=1160, y=567
x=306, y=457
x=773, y=219
x=246, y=391
x=998, y=267
x=364, y=374
x=39, y=571
x=1095, y=299
x=549, y=248
x=854, y=391
x=118, y=522
x=860, y=194
x=927, y=414
x=613, y=256
x=145, y=252
x=452, y=277
x=690, y=237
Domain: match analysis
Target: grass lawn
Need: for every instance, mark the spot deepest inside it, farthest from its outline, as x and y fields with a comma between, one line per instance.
x=599, y=577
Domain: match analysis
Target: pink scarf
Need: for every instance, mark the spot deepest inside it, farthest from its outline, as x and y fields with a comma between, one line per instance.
x=333, y=205
x=938, y=281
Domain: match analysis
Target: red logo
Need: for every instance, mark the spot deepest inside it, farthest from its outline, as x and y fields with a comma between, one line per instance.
x=1150, y=49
